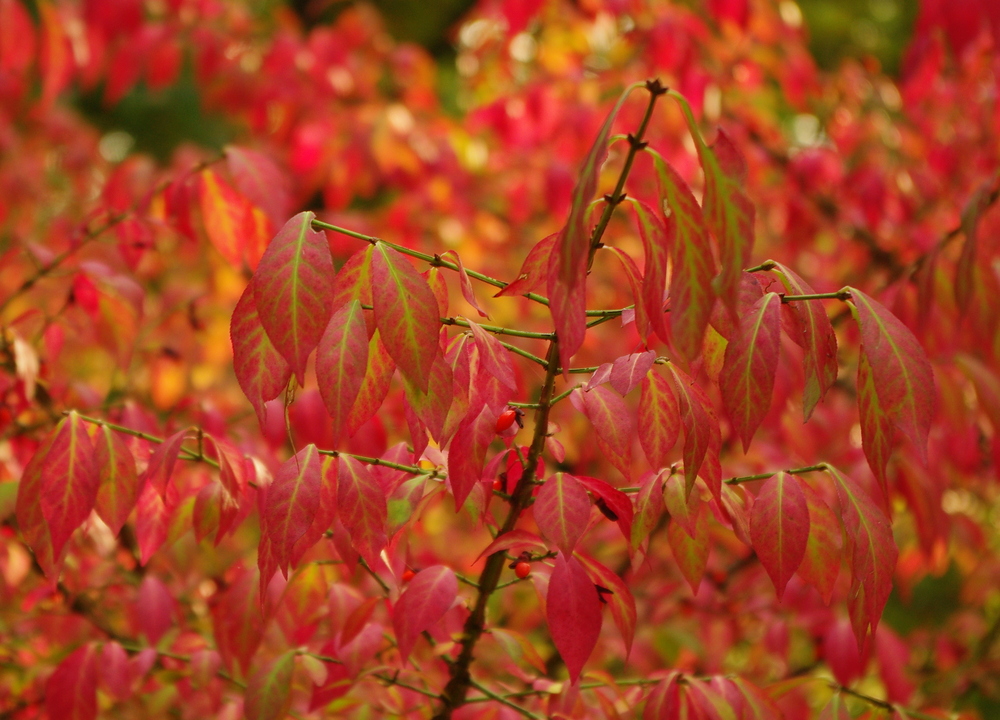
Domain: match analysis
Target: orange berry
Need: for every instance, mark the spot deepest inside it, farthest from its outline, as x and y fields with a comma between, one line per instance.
x=522, y=570
x=408, y=575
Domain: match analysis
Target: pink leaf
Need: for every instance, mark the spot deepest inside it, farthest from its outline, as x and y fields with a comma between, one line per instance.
x=362, y=507
x=573, y=611
x=236, y=621
x=354, y=282
x=161, y=462
x=150, y=523
x=467, y=291
x=902, y=374
x=114, y=671
x=232, y=466
x=425, y=600
x=494, y=358
x=629, y=370
x=534, y=270
x=747, y=378
x=659, y=419
x=154, y=608
x=841, y=654
x=119, y=482
x=562, y=509
x=341, y=364
x=431, y=406
x=293, y=292
x=620, y=600
x=260, y=369
x=260, y=180
x=467, y=453
x=815, y=334
x=406, y=313
x=612, y=420
x=291, y=502
x=779, y=528
x=71, y=691
x=269, y=692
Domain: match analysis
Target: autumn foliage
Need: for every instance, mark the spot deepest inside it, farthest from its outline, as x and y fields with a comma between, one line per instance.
x=625, y=366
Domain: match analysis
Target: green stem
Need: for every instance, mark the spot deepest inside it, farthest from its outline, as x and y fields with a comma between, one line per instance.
x=504, y=701
x=496, y=330
x=839, y=295
x=766, y=475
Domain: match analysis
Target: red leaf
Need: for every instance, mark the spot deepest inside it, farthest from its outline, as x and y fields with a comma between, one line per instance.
x=269, y=691
x=657, y=241
x=260, y=369
x=691, y=292
x=326, y=512
x=290, y=503
x=614, y=500
x=493, y=357
x=648, y=509
x=119, y=482
x=613, y=422
x=966, y=267
x=518, y=647
x=232, y=465
x=874, y=553
x=71, y=691
x=629, y=370
x=779, y=528
x=341, y=364
x=362, y=508
x=821, y=561
x=406, y=312
x=236, y=621
x=154, y=608
x=150, y=523
x=432, y=406
x=467, y=453
x=815, y=334
x=682, y=506
x=425, y=600
x=701, y=431
x=161, y=462
x=534, y=270
x=747, y=378
x=114, y=671
x=663, y=701
x=225, y=213
x=293, y=292
x=642, y=321
x=374, y=387
x=467, y=291
x=354, y=282
x=573, y=611
x=843, y=656
x=620, y=601
x=260, y=180
x=902, y=374
x=69, y=480
x=659, y=419
x=562, y=509
x=876, y=426
x=568, y=305
x=513, y=542
x=691, y=552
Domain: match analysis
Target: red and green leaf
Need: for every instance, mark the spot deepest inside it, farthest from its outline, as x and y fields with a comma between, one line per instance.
x=493, y=357
x=293, y=292
x=465, y=282
x=620, y=600
x=71, y=691
x=341, y=364
x=628, y=371
x=374, y=387
x=648, y=509
x=291, y=502
x=747, y=378
x=513, y=542
x=657, y=241
x=354, y=282
x=406, y=313
x=261, y=370
x=691, y=551
x=902, y=374
x=658, y=419
x=119, y=482
x=535, y=269
x=612, y=421
x=562, y=510
x=614, y=502
x=779, y=528
x=427, y=597
x=573, y=612
x=701, y=431
x=876, y=425
x=467, y=453
x=821, y=561
x=362, y=508
x=225, y=213
x=70, y=480
x=269, y=691
x=642, y=319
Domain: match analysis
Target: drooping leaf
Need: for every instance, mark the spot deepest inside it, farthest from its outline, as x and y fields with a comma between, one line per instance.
x=119, y=482
x=691, y=293
x=362, y=508
x=69, y=481
x=534, y=270
x=71, y=691
x=573, y=612
x=821, y=561
x=161, y=463
x=747, y=378
x=236, y=621
x=779, y=528
x=642, y=320
x=648, y=509
x=374, y=387
x=494, y=358
x=232, y=465
x=691, y=552
x=682, y=505
x=406, y=312
x=260, y=369
x=341, y=364
x=154, y=608
x=876, y=425
x=425, y=600
x=432, y=406
x=260, y=180
x=513, y=542
x=465, y=282
x=614, y=501
x=902, y=374
x=874, y=553
x=467, y=453
x=439, y=288
x=293, y=291
x=658, y=418
x=562, y=509
x=225, y=212
x=291, y=502
x=568, y=305
x=150, y=522
x=836, y=709
x=629, y=370
x=269, y=691
x=620, y=600
x=657, y=241
x=612, y=422
x=663, y=701
x=815, y=334
x=354, y=282
x=326, y=511
x=701, y=431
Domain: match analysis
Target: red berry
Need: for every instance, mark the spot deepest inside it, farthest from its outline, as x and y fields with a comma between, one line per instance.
x=498, y=485
x=408, y=575
x=506, y=419
x=522, y=570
